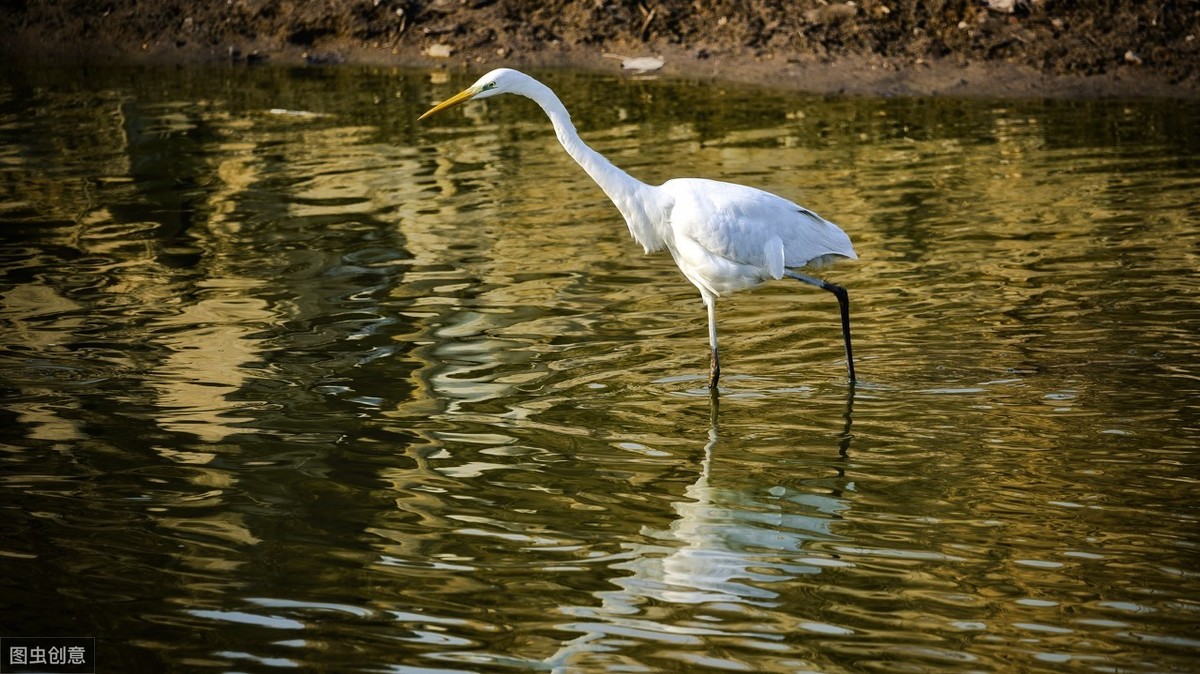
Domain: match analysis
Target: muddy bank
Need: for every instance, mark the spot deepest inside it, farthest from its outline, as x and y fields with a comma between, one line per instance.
x=954, y=47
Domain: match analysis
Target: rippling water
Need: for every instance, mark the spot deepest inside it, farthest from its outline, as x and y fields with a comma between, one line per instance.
x=290, y=380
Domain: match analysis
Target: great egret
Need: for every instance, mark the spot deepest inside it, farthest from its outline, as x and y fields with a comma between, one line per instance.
x=724, y=237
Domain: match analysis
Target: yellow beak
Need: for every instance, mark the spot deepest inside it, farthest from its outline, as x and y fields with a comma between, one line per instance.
x=454, y=100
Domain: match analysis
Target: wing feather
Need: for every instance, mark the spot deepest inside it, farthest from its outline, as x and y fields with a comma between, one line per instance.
x=742, y=224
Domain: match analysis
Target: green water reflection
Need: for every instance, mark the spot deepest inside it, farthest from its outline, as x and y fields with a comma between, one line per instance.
x=291, y=380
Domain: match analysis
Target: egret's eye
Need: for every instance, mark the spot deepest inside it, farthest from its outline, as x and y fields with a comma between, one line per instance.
x=489, y=85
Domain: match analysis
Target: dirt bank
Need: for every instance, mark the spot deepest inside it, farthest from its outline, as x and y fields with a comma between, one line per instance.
x=961, y=47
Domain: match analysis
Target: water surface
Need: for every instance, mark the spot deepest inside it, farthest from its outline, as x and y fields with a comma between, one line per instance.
x=290, y=381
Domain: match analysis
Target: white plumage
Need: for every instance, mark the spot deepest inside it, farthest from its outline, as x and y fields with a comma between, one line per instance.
x=757, y=230
x=724, y=237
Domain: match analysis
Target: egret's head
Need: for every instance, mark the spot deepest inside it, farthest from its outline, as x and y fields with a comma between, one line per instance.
x=499, y=81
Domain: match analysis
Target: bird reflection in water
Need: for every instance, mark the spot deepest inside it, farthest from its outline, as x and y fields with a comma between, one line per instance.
x=723, y=553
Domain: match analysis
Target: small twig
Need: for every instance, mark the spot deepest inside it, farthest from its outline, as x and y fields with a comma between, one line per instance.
x=646, y=23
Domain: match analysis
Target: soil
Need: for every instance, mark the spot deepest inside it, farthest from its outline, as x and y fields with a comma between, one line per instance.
x=891, y=47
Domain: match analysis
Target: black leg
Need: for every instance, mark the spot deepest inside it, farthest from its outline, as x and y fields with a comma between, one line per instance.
x=843, y=298
x=843, y=304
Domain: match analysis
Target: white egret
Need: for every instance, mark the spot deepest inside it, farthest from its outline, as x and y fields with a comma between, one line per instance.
x=724, y=237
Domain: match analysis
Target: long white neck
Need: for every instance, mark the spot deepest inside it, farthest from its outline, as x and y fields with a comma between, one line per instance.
x=638, y=202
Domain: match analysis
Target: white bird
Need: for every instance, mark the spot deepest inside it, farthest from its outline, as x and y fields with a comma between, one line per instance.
x=724, y=237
